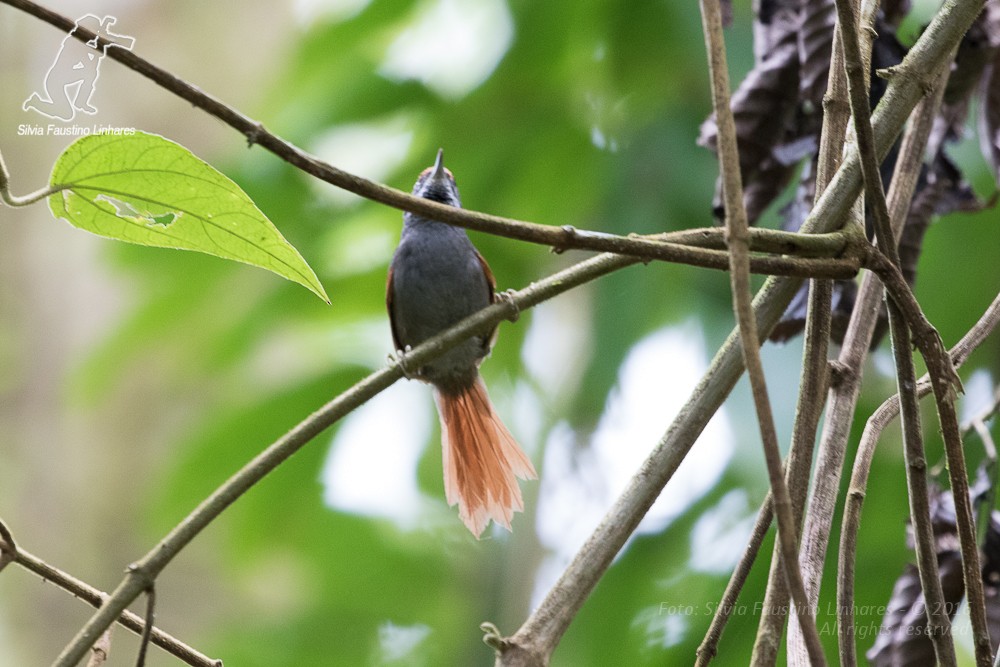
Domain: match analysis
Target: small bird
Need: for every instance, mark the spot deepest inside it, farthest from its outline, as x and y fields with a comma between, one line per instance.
x=437, y=278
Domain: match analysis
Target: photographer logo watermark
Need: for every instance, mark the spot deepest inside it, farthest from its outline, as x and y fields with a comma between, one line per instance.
x=69, y=83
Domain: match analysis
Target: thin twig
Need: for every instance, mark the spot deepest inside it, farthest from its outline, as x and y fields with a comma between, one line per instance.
x=904, y=181
x=558, y=237
x=95, y=598
x=802, y=255
x=844, y=394
x=8, y=547
x=534, y=642
x=140, y=660
x=812, y=392
x=763, y=239
x=944, y=381
x=739, y=253
x=836, y=116
x=13, y=200
x=876, y=424
x=826, y=480
x=727, y=605
x=939, y=624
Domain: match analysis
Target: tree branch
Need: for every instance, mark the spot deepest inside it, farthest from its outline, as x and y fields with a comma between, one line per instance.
x=876, y=424
x=708, y=647
x=13, y=200
x=140, y=660
x=8, y=547
x=550, y=620
x=558, y=237
x=904, y=180
x=844, y=394
x=100, y=651
x=939, y=624
x=143, y=573
x=93, y=597
x=538, y=636
x=944, y=381
x=739, y=253
x=836, y=115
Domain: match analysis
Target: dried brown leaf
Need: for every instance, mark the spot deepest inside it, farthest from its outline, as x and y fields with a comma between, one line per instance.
x=989, y=117
x=776, y=21
x=902, y=639
x=894, y=11
x=815, y=42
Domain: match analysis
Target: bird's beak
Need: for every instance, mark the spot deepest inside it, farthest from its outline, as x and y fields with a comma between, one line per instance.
x=439, y=172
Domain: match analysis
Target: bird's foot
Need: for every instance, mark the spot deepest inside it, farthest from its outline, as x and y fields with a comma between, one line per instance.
x=509, y=297
x=399, y=359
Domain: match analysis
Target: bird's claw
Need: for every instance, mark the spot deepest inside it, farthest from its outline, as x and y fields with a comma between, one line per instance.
x=399, y=359
x=509, y=297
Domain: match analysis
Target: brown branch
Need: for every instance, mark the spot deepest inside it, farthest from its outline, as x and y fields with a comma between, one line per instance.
x=708, y=648
x=8, y=547
x=836, y=116
x=144, y=572
x=534, y=642
x=100, y=651
x=763, y=239
x=15, y=201
x=944, y=381
x=96, y=598
x=904, y=181
x=939, y=624
x=876, y=424
x=558, y=237
x=844, y=394
x=140, y=660
x=739, y=253
x=812, y=392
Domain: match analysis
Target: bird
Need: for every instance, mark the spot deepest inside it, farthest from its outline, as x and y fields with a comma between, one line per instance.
x=436, y=278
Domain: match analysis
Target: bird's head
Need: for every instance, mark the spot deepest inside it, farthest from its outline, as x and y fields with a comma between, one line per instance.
x=438, y=183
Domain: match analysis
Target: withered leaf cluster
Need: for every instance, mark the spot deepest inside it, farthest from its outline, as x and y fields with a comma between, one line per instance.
x=778, y=109
x=902, y=638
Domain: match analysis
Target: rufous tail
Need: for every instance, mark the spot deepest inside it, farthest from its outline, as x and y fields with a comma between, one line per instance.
x=482, y=461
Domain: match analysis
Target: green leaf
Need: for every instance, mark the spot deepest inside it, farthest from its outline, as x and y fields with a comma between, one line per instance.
x=148, y=190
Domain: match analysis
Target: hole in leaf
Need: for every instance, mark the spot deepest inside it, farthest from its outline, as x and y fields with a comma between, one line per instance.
x=126, y=210
x=166, y=219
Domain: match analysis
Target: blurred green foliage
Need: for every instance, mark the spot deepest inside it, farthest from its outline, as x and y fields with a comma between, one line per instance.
x=589, y=119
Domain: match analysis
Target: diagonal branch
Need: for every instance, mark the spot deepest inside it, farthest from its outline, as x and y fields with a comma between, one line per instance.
x=142, y=574
x=812, y=392
x=904, y=181
x=534, y=642
x=707, y=650
x=944, y=381
x=95, y=598
x=844, y=392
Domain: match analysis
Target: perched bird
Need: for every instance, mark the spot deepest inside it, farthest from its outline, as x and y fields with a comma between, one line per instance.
x=437, y=278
